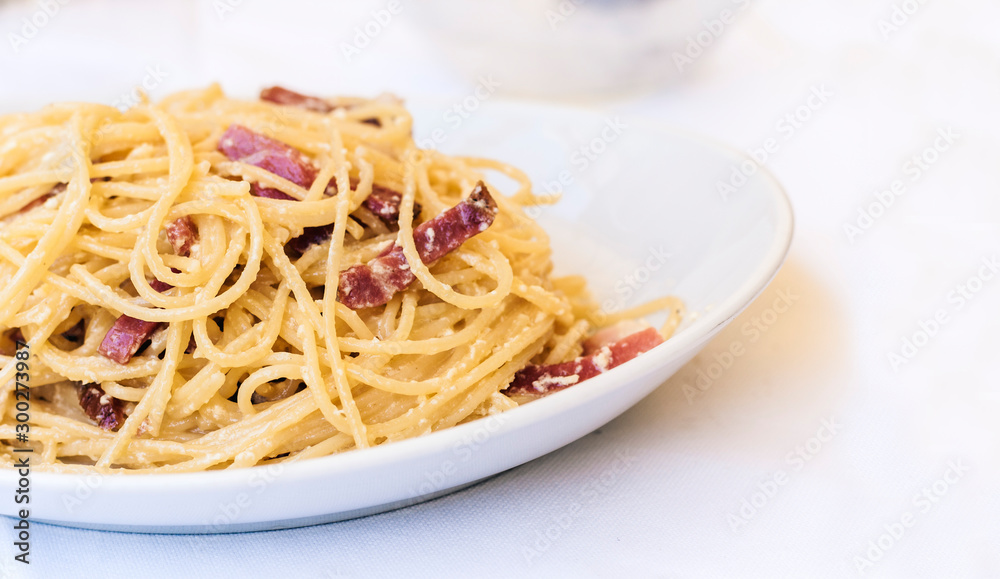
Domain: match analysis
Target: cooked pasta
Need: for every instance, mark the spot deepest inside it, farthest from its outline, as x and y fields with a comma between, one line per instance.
x=208, y=283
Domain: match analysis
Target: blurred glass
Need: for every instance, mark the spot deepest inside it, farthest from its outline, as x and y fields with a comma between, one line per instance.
x=575, y=48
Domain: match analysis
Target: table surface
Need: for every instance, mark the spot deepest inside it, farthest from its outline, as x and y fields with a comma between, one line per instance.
x=831, y=448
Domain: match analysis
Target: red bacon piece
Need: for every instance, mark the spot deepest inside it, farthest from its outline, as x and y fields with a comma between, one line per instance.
x=160, y=286
x=611, y=334
x=283, y=96
x=128, y=334
x=382, y=201
x=125, y=338
x=541, y=380
x=310, y=235
x=268, y=193
x=37, y=202
x=385, y=202
x=241, y=144
x=107, y=412
x=182, y=234
x=374, y=283
x=58, y=188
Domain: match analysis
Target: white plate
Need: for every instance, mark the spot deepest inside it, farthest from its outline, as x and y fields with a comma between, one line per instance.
x=647, y=193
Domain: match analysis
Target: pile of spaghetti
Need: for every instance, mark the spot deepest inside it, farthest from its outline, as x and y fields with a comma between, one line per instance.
x=211, y=283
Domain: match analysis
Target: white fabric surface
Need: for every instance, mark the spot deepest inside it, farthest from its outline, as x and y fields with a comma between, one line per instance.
x=668, y=510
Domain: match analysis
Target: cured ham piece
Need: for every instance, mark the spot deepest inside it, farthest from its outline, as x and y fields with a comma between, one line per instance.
x=541, y=380
x=182, y=234
x=382, y=201
x=128, y=334
x=374, y=283
x=125, y=338
x=385, y=202
x=59, y=188
x=310, y=236
x=107, y=412
x=283, y=96
x=241, y=144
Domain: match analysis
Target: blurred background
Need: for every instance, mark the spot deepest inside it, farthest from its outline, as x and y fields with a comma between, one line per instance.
x=859, y=95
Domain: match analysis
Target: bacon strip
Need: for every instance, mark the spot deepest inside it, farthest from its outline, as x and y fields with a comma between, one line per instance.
x=374, y=283
x=38, y=202
x=542, y=380
x=128, y=334
x=611, y=334
x=385, y=203
x=283, y=96
x=125, y=338
x=241, y=144
x=290, y=98
x=160, y=286
x=107, y=412
x=310, y=236
x=382, y=201
x=182, y=234
x=57, y=189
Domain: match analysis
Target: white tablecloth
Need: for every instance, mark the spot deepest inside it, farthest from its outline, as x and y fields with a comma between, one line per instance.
x=856, y=434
